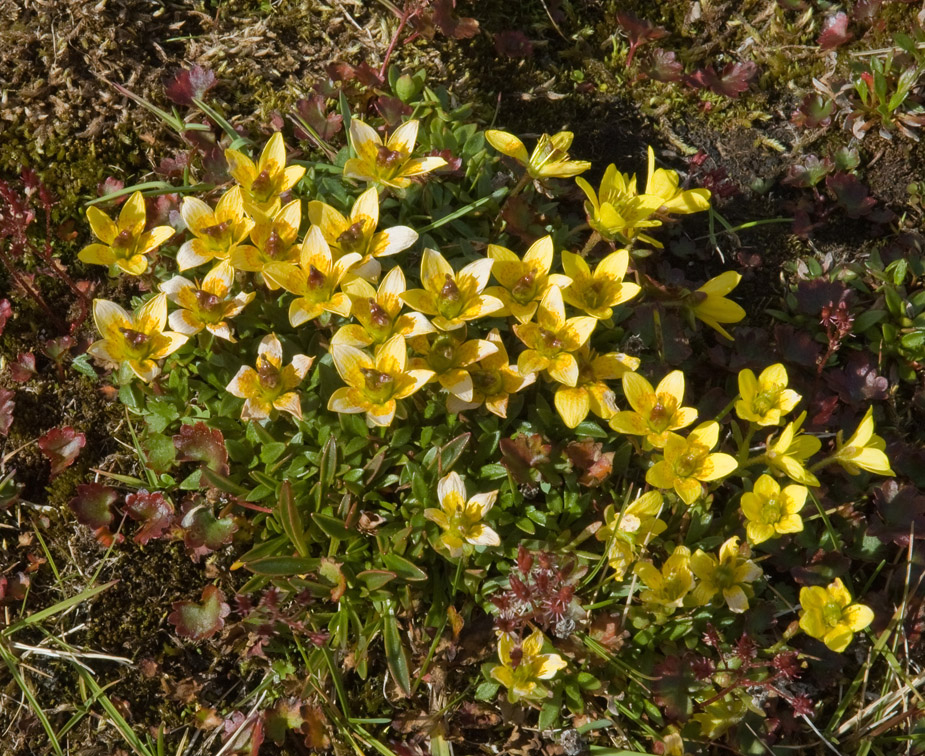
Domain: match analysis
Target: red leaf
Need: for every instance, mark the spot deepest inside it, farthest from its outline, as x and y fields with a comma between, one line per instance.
x=513, y=44
x=834, y=32
x=61, y=446
x=451, y=25
x=23, y=368
x=6, y=312
x=200, y=443
x=152, y=510
x=314, y=112
x=638, y=31
x=665, y=66
x=7, y=405
x=587, y=456
x=190, y=84
x=92, y=506
x=203, y=532
x=200, y=621
x=851, y=194
x=731, y=82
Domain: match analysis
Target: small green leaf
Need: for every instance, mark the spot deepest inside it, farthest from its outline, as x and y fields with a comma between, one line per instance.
x=332, y=526
x=395, y=654
x=289, y=518
x=282, y=566
x=403, y=568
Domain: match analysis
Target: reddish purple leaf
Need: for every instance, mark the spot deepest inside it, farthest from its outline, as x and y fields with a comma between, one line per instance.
x=200, y=621
x=834, y=32
x=111, y=185
x=664, y=66
x=243, y=736
x=452, y=25
x=92, y=506
x=7, y=405
x=808, y=173
x=203, y=532
x=730, y=82
x=850, y=194
x=6, y=312
x=392, y=109
x=200, y=443
x=525, y=456
x=866, y=11
x=314, y=112
x=638, y=31
x=815, y=111
x=23, y=368
x=587, y=456
x=152, y=510
x=61, y=446
x=189, y=85
x=513, y=44
x=859, y=383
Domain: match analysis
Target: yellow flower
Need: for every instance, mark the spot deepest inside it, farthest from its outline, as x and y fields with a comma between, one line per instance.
x=448, y=355
x=549, y=158
x=710, y=305
x=493, y=381
x=552, y=340
x=390, y=163
x=632, y=527
x=688, y=462
x=663, y=183
x=263, y=183
x=655, y=411
x=829, y=614
x=766, y=399
x=461, y=520
x=273, y=240
x=374, y=385
x=523, y=282
x=125, y=243
x=314, y=280
x=772, y=511
x=270, y=386
x=216, y=232
x=597, y=293
x=378, y=311
x=453, y=299
x=667, y=587
x=590, y=393
x=358, y=233
x=791, y=450
x=617, y=210
x=864, y=450
x=523, y=667
x=138, y=339
x=206, y=305
x=729, y=575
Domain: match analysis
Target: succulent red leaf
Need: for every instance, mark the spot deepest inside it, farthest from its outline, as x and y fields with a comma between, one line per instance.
x=23, y=367
x=452, y=25
x=834, y=32
x=730, y=82
x=7, y=405
x=6, y=312
x=200, y=443
x=190, y=84
x=850, y=194
x=62, y=446
x=200, y=621
x=314, y=112
x=203, y=532
x=664, y=66
x=671, y=690
x=92, y=506
x=513, y=44
x=815, y=111
x=638, y=31
x=594, y=464
x=153, y=510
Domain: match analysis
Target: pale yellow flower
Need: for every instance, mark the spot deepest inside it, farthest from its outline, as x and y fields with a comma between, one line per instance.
x=388, y=163
x=830, y=615
x=656, y=411
x=523, y=667
x=273, y=240
x=710, y=305
x=590, y=393
x=667, y=587
x=771, y=510
x=864, y=450
x=206, y=305
x=549, y=158
x=460, y=519
x=263, y=183
x=599, y=292
x=271, y=385
x=688, y=463
x=729, y=575
x=448, y=355
x=126, y=244
x=216, y=233
x=523, y=282
x=766, y=399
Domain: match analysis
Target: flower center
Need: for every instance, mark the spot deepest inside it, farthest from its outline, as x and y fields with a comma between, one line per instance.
x=378, y=385
x=217, y=235
x=832, y=614
x=136, y=340
x=488, y=382
x=442, y=354
x=765, y=401
x=686, y=466
x=449, y=300
x=352, y=240
x=525, y=289
x=551, y=340
x=267, y=372
x=264, y=186
x=124, y=241
x=594, y=294
x=274, y=246
x=771, y=511
x=378, y=316
x=316, y=279
x=206, y=301
x=389, y=159
x=724, y=576
x=662, y=412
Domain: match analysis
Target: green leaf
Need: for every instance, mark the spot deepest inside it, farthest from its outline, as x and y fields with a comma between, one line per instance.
x=403, y=568
x=375, y=579
x=332, y=526
x=289, y=518
x=451, y=452
x=282, y=566
x=395, y=654
x=327, y=469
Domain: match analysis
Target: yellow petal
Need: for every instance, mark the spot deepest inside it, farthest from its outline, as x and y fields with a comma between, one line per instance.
x=365, y=141
x=434, y=270
x=196, y=214
x=102, y=226
x=326, y=218
x=507, y=144
x=639, y=392
x=273, y=156
x=151, y=317
x=392, y=355
x=572, y=404
x=403, y=138
x=97, y=254
x=350, y=363
x=132, y=216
